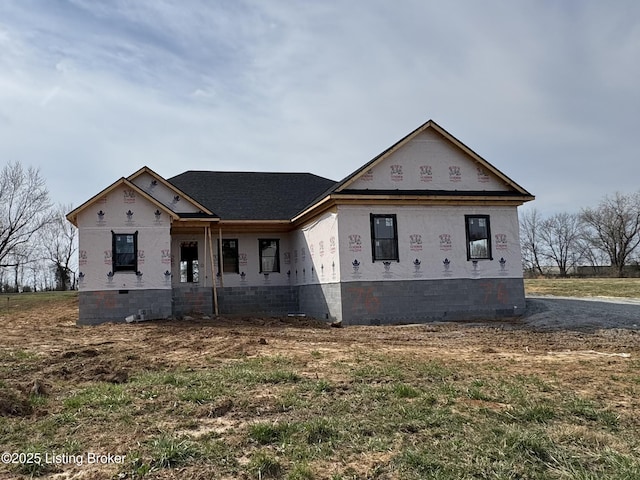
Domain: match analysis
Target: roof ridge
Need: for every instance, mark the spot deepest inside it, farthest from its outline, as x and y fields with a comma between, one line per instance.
x=247, y=171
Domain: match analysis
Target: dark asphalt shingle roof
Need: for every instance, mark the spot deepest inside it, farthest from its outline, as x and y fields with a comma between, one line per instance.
x=252, y=195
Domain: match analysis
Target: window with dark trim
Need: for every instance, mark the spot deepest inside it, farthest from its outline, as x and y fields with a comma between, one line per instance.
x=384, y=237
x=125, y=252
x=478, y=229
x=189, y=267
x=269, y=255
x=230, y=258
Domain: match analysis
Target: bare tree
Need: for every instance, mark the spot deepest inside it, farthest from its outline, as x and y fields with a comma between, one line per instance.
x=35, y=270
x=59, y=246
x=591, y=256
x=24, y=210
x=20, y=256
x=560, y=237
x=615, y=227
x=530, y=240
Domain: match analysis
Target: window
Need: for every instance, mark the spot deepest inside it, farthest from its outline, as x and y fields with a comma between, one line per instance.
x=384, y=237
x=478, y=237
x=125, y=252
x=189, y=268
x=269, y=255
x=230, y=263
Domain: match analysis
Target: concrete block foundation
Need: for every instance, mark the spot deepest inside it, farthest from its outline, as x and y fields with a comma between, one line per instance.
x=352, y=303
x=115, y=305
x=323, y=301
x=263, y=300
x=421, y=301
x=190, y=299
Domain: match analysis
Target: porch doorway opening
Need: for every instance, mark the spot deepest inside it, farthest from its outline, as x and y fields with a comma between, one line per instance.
x=189, y=268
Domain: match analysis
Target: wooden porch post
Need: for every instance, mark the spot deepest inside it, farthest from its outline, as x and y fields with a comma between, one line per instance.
x=204, y=283
x=213, y=273
x=220, y=256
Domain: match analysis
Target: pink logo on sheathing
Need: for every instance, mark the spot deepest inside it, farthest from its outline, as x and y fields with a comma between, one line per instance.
x=455, y=173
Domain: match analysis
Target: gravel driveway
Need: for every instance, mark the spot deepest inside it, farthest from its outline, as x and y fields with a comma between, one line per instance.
x=548, y=312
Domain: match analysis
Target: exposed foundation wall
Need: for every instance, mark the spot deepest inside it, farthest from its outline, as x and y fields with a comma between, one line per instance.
x=421, y=301
x=192, y=299
x=321, y=301
x=97, y=307
x=258, y=300
x=353, y=303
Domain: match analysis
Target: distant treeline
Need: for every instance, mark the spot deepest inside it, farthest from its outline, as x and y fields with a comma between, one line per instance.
x=599, y=241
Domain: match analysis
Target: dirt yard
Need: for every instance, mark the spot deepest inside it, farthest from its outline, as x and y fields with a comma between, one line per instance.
x=44, y=353
x=51, y=332
x=94, y=353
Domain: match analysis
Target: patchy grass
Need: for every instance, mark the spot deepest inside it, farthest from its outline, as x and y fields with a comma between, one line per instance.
x=464, y=422
x=456, y=426
x=206, y=401
x=584, y=287
x=24, y=301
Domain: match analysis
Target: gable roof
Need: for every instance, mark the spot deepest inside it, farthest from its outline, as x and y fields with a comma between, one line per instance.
x=430, y=124
x=173, y=188
x=265, y=196
x=287, y=196
x=73, y=215
x=341, y=189
x=252, y=195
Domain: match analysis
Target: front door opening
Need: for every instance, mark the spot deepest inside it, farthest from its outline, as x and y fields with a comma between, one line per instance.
x=189, y=269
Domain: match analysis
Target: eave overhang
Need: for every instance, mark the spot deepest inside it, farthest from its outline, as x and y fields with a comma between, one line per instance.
x=239, y=226
x=411, y=197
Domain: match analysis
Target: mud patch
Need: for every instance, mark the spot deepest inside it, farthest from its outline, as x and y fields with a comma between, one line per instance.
x=14, y=403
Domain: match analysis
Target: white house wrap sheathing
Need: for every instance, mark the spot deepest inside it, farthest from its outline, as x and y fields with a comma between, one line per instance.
x=428, y=162
x=314, y=257
x=164, y=194
x=431, y=244
x=122, y=211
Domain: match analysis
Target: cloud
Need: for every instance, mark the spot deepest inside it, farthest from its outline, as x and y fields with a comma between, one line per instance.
x=91, y=91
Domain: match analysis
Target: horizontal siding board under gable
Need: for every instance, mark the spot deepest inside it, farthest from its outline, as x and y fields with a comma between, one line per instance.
x=428, y=193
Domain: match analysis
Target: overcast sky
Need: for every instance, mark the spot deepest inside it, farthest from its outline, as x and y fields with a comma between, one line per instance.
x=547, y=91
